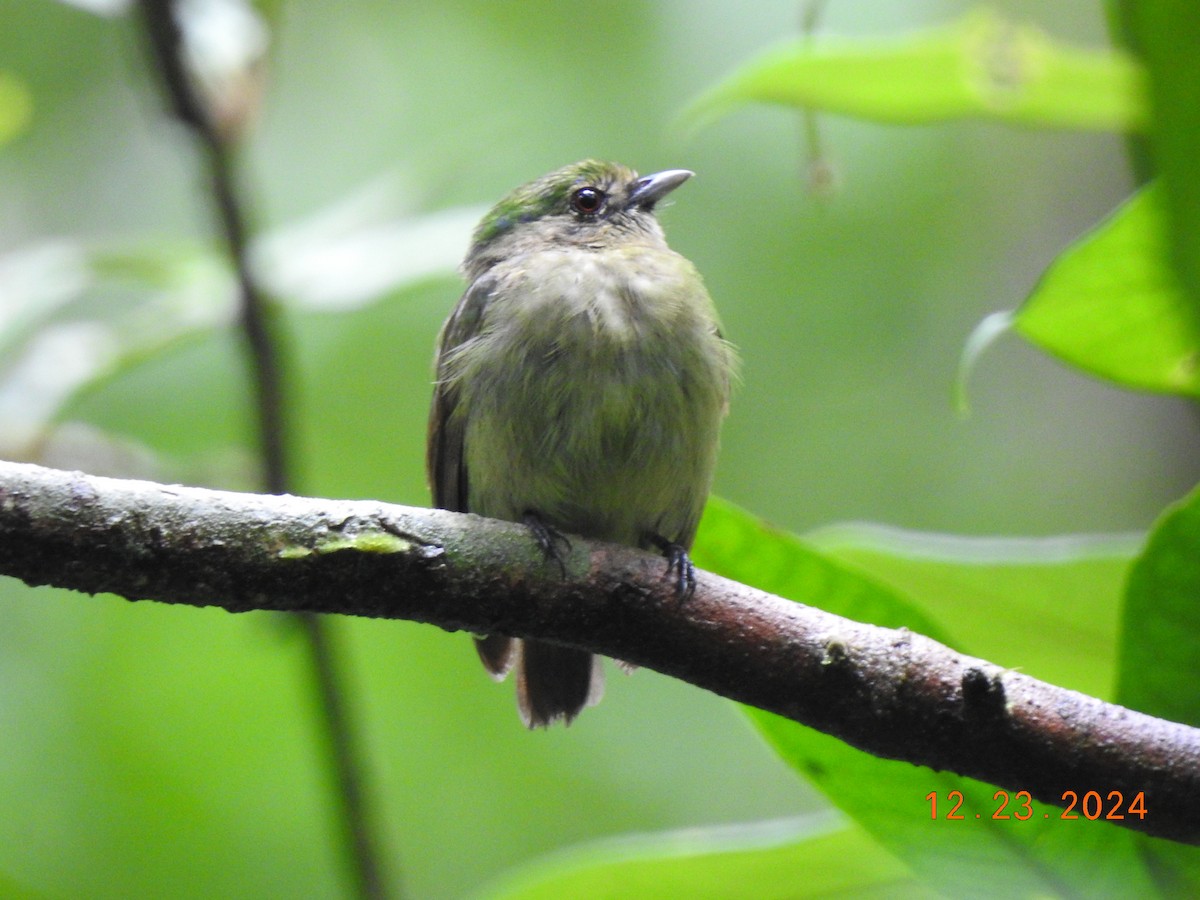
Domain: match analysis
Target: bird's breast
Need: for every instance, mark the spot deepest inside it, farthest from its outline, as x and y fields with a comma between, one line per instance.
x=598, y=394
x=605, y=297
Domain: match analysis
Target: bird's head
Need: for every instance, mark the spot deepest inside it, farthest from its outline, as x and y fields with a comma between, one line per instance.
x=587, y=204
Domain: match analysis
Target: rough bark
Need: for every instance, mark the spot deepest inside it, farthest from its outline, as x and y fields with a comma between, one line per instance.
x=890, y=692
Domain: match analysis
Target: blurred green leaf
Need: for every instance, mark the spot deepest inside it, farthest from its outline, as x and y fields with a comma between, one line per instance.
x=16, y=108
x=74, y=316
x=732, y=540
x=887, y=798
x=1111, y=305
x=1160, y=635
x=1049, y=606
x=1160, y=653
x=805, y=857
x=981, y=66
x=1167, y=35
x=35, y=283
x=365, y=246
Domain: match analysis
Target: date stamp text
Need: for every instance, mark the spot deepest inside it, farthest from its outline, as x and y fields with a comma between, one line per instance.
x=1089, y=805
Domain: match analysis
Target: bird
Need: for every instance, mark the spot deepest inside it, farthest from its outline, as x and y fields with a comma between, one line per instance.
x=580, y=386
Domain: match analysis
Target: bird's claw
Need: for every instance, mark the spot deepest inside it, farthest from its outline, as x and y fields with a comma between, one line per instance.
x=679, y=564
x=553, y=543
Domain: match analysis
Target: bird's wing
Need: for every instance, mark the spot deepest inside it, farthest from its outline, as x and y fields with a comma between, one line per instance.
x=687, y=534
x=445, y=458
x=445, y=462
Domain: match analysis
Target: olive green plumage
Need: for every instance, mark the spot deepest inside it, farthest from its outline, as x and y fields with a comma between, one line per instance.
x=581, y=383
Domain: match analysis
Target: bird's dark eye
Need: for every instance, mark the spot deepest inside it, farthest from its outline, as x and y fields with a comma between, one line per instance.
x=587, y=200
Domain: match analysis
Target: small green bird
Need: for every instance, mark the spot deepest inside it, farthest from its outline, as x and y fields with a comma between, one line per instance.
x=581, y=383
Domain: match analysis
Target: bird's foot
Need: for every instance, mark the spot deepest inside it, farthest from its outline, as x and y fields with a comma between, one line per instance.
x=679, y=565
x=553, y=543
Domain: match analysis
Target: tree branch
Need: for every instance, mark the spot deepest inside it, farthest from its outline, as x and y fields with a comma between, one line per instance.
x=890, y=692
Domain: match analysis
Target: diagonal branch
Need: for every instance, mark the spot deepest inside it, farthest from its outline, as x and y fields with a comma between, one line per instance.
x=892, y=693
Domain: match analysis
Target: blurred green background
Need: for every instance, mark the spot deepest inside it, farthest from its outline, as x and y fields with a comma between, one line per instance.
x=146, y=749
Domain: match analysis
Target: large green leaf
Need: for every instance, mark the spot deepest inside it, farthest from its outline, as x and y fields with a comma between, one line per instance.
x=1043, y=855
x=1167, y=33
x=1050, y=606
x=793, y=858
x=981, y=66
x=1054, y=606
x=1160, y=635
x=1160, y=652
x=1111, y=305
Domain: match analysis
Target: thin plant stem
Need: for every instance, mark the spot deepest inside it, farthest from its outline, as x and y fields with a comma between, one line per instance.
x=266, y=360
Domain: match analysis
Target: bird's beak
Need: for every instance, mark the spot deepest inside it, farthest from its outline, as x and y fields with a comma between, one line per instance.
x=649, y=189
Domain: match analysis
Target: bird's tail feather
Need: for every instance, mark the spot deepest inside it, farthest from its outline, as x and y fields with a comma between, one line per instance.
x=555, y=682
x=497, y=653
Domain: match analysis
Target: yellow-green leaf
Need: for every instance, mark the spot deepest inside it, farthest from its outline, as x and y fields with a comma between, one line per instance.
x=982, y=66
x=1111, y=305
x=763, y=859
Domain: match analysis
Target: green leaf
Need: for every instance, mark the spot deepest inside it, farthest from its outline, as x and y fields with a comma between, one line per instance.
x=1160, y=638
x=982, y=66
x=77, y=316
x=1111, y=305
x=1042, y=856
x=731, y=540
x=362, y=248
x=1160, y=652
x=804, y=857
x=1049, y=606
x=16, y=108
x=1167, y=33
